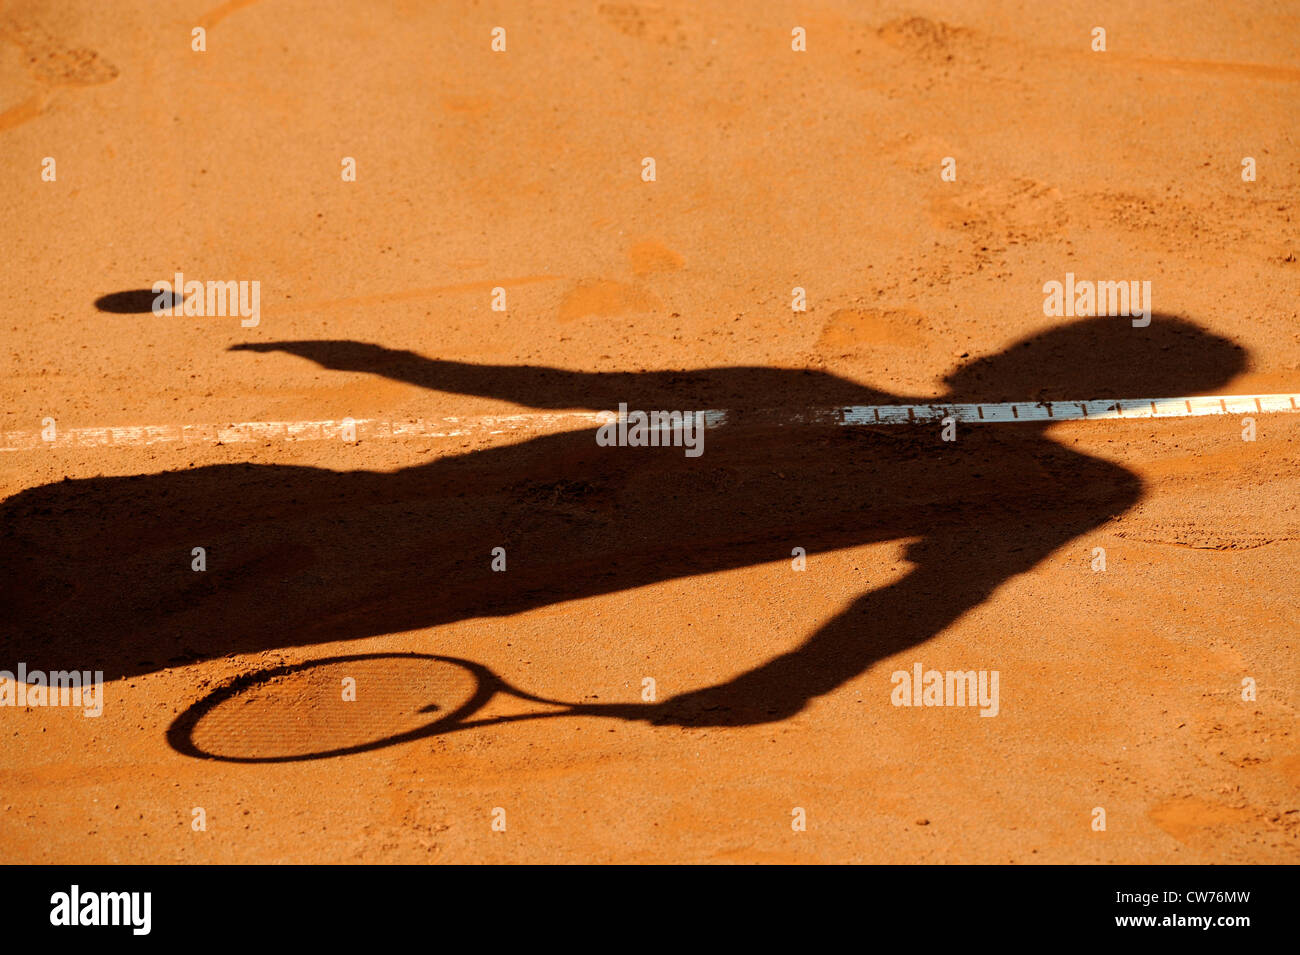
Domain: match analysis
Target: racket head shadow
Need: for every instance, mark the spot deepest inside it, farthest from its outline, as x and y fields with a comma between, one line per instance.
x=300, y=711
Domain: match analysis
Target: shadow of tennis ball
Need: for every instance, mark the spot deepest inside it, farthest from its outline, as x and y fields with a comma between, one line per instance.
x=136, y=301
x=321, y=708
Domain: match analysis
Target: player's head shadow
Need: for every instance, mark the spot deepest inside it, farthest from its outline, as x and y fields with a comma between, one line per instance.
x=1102, y=358
x=100, y=570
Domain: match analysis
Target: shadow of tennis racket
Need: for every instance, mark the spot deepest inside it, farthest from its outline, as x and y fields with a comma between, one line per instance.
x=338, y=706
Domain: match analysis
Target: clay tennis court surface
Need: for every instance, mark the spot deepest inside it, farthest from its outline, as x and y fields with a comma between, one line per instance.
x=1120, y=689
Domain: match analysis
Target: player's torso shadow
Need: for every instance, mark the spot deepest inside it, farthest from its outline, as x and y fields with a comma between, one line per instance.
x=100, y=571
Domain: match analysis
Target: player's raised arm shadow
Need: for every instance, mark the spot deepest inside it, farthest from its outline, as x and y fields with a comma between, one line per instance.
x=103, y=570
x=734, y=388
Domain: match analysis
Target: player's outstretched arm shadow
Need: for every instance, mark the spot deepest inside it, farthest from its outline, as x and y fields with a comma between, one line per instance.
x=553, y=388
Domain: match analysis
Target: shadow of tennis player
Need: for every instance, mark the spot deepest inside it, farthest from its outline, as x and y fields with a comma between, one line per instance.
x=100, y=575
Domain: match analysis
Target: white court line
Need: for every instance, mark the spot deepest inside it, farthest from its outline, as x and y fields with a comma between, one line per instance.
x=369, y=429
